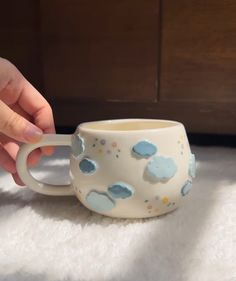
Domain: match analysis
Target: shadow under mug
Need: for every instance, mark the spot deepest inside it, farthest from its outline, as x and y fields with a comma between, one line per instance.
x=126, y=168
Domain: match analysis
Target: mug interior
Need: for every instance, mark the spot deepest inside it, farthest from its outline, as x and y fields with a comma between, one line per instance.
x=129, y=125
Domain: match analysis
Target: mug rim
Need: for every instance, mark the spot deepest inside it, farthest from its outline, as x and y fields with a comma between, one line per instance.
x=87, y=126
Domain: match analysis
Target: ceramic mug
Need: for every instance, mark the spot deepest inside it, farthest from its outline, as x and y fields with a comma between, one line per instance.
x=127, y=168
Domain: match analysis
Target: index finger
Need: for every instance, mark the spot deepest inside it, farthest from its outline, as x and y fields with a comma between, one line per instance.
x=32, y=102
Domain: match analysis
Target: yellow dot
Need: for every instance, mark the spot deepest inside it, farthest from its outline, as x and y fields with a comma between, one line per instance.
x=100, y=150
x=165, y=200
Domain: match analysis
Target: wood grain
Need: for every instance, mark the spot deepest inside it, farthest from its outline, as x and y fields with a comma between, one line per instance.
x=202, y=117
x=198, y=51
x=127, y=59
x=104, y=50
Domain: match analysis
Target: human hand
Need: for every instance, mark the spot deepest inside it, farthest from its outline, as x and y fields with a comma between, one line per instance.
x=24, y=116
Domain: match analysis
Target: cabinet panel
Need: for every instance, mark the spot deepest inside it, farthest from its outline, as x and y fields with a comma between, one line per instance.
x=198, y=61
x=100, y=50
x=205, y=117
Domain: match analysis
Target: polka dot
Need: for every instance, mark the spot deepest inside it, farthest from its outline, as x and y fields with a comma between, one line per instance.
x=103, y=142
x=100, y=150
x=114, y=144
x=88, y=166
x=149, y=207
x=117, y=156
x=94, y=145
x=99, y=202
x=165, y=200
x=144, y=149
x=121, y=190
x=108, y=152
x=161, y=169
x=146, y=201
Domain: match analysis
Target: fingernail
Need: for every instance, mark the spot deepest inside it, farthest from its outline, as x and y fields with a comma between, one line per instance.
x=32, y=133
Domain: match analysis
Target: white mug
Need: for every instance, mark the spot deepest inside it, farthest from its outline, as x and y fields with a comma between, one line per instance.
x=127, y=168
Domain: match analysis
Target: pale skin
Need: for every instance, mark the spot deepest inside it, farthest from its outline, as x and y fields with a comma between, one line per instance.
x=24, y=116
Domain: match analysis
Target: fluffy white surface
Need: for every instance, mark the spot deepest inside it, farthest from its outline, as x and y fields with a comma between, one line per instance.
x=54, y=238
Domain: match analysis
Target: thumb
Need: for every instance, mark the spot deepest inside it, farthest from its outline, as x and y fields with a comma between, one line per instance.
x=17, y=127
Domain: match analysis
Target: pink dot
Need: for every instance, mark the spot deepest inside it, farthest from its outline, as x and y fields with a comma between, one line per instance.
x=114, y=144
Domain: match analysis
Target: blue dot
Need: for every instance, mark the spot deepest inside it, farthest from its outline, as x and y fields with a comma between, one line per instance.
x=144, y=149
x=186, y=188
x=88, y=166
x=161, y=168
x=99, y=201
x=77, y=145
x=120, y=190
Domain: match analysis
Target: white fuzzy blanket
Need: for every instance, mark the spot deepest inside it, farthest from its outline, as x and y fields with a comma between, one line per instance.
x=52, y=238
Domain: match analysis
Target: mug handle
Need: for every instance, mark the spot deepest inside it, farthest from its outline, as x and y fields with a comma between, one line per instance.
x=26, y=177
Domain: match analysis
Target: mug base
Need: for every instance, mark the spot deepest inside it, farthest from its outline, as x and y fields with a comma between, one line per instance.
x=144, y=216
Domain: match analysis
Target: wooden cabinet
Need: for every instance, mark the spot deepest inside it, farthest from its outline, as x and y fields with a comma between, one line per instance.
x=118, y=59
